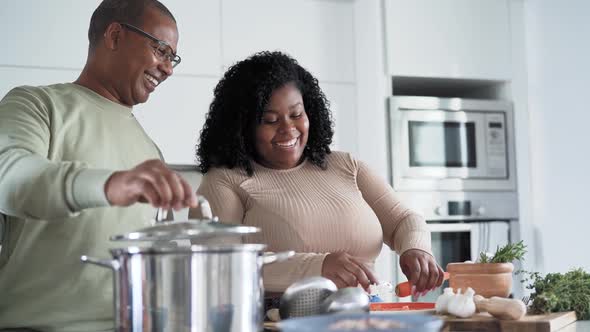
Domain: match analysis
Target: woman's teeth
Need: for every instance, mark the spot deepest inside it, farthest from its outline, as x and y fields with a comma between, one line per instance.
x=287, y=144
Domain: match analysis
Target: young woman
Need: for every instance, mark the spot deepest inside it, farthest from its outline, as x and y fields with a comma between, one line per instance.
x=265, y=155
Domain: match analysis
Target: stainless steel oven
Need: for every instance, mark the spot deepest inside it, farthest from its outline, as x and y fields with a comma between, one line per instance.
x=452, y=160
x=459, y=242
x=451, y=144
x=464, y=224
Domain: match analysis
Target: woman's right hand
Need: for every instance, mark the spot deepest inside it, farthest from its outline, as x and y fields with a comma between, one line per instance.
x=347, y=271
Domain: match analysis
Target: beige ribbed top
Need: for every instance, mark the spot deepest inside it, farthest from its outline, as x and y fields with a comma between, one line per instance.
x=346, y=207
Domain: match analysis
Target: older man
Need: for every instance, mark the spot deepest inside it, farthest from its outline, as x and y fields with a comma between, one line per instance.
x=73, y=164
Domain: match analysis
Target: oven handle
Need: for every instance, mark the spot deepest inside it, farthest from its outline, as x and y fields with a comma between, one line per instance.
x=450, y=228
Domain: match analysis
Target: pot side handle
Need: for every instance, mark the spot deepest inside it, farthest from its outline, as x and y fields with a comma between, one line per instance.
x=109, y=263
x=277, y=257
x=205, y=208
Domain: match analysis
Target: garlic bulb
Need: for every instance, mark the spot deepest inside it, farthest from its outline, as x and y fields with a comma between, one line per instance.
x=381, y=288
x=442, y=302
x=462, y=305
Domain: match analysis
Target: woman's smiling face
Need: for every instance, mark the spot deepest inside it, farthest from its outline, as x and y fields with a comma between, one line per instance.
x=281, y=136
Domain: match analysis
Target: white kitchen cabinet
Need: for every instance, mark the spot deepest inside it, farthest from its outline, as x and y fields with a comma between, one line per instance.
x=13, y=77
x=342, y=98
x=174, y=116
x=199, y=42
x=45, y=33
x=54, y=34
x=319, y=34
x=467, y=39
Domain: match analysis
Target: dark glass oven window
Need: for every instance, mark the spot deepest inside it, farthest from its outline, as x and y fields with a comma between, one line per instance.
x=448, y=247
x=442, y=144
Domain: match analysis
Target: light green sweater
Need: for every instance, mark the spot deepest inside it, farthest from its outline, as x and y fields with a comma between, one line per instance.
x=58, y=146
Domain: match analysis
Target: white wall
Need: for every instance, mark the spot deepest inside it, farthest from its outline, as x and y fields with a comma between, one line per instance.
x=558, y=65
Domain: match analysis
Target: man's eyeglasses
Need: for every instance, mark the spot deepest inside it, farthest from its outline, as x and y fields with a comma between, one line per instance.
x=161, y=48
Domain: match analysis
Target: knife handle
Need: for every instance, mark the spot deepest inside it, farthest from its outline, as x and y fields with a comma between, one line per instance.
x=500, y=307
x=404, y=289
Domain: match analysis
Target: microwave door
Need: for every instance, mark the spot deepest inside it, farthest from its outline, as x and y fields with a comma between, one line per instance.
x=443, y=144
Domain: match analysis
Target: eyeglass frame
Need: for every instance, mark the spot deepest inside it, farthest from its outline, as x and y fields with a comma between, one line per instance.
x=172, y=57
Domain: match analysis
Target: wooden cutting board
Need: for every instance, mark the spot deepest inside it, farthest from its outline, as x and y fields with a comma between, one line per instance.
x=530, y=323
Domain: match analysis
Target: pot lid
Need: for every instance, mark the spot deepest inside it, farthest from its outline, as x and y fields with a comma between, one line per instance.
x=208, y=227
x=188, y=229
x=221, y=248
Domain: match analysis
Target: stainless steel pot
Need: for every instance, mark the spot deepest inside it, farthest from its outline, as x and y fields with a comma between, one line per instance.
x=196, y=288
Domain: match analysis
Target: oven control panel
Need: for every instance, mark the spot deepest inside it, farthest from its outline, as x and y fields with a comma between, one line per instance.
x=460, y=209
x=447, y=206
x=496, y=153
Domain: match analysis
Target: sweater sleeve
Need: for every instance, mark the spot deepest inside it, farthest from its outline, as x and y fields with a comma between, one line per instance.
x=403, y=229
x=31, y=186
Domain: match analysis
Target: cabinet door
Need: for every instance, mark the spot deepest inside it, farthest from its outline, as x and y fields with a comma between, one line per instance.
x=54, y=34
x=199, y=42
x=449, y=39
x=17, y=76
x=342, y=98
x=319, y=34
x=174, y=116
x=45, y=33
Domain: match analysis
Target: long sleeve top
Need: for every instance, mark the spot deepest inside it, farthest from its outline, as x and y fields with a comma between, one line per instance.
x=58, y=146
x=346, y=207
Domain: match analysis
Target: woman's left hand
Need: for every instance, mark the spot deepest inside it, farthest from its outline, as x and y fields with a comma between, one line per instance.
x=421, y=270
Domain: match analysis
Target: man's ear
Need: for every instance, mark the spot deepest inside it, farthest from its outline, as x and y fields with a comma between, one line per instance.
x=112, y=35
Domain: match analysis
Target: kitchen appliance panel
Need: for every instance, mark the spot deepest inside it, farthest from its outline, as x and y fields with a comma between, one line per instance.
x=462, y=206
x=458, y=242
x=465, y=144
x=428, y=151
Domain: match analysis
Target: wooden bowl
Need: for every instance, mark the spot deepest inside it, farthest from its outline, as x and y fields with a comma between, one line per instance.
x=486, y=279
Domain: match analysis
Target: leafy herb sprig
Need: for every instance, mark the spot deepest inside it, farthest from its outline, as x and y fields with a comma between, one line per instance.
x=560, y=292
x=505, y=254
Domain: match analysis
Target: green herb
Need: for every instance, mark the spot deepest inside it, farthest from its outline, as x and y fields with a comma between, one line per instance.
x=560, y=292
x=506, y=254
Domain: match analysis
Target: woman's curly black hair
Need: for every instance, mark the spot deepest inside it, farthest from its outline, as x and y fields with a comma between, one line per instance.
x=240, y=97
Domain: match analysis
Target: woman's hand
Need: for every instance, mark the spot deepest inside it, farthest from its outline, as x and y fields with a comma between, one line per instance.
x=347, y=271
x=421, y=270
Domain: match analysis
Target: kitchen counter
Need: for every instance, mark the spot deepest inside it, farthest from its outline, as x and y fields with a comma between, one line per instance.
x=555, y=322
x=578, y=326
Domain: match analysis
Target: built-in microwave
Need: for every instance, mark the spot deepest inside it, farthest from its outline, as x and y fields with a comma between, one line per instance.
x=451, y=144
